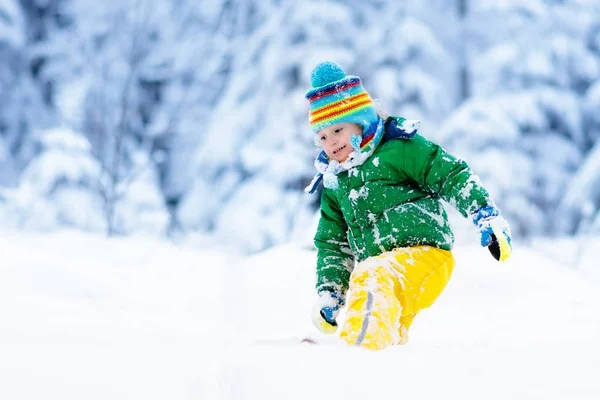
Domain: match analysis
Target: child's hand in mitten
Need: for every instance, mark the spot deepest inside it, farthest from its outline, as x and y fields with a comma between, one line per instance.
x=326, y=311
x=495, y=232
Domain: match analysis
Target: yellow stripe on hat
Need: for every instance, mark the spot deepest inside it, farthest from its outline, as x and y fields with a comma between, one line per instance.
x=340, y=107
x=342, y=113
x=339, y=103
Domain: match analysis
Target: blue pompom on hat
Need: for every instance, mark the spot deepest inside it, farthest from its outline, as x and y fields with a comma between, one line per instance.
x=325, y=73
x=336, y=97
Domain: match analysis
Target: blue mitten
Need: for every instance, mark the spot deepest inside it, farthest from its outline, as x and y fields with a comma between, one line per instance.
x=495, y=232
x=326, y=311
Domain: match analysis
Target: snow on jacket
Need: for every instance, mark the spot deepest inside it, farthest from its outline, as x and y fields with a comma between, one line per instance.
x=394, y=199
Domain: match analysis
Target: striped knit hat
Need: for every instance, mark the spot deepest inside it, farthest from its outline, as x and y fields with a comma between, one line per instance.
x=336, y=97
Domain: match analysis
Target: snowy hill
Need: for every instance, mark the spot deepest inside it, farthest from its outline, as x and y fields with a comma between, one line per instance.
x=86, y=317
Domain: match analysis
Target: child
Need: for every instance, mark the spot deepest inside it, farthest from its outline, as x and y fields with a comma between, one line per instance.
x=381, y=207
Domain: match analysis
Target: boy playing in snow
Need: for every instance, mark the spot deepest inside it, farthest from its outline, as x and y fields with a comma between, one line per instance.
x=381, y=207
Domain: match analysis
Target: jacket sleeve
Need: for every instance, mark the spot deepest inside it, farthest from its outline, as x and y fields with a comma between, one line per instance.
x=445, y=175
x=335, y=260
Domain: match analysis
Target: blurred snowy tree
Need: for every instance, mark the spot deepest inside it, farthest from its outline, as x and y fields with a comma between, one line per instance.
x=524, y=131
x=248, y=167
x=59, y=188
x=22, y=109
x=107, y=83
x=580, y=204
x=580, y=207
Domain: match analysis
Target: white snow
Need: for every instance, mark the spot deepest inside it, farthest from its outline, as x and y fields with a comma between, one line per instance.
x=86, y=317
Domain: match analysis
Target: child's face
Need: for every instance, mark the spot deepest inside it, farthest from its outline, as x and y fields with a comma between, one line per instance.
x=335, y=139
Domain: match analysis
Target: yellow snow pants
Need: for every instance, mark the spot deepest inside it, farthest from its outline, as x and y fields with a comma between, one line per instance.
x=387, y=291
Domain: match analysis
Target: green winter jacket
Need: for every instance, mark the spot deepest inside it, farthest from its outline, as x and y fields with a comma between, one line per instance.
x=394, y=199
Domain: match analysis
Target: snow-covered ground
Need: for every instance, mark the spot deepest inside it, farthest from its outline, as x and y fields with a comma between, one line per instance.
x=88, y=318
x=83, y=317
